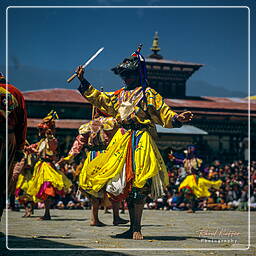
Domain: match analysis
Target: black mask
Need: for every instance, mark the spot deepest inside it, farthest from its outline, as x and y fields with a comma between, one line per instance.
x=129, y=66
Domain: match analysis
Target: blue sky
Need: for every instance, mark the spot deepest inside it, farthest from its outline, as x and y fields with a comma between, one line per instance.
x=60, y=39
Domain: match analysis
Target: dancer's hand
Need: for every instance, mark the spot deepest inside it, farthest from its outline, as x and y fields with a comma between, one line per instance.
x=185, y=116
x=80, y=73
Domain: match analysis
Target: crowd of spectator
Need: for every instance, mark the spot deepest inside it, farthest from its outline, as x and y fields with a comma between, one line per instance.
x=233, y=194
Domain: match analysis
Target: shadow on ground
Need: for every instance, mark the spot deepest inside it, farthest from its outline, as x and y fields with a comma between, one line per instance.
x=172, y=238
x=53, y=218
x=68, y=219
x=166, y=238
x=20, y=242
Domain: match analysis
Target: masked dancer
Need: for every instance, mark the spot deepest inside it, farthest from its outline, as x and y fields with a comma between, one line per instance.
x=131, y=166
x=194, y=187
x=47, y=180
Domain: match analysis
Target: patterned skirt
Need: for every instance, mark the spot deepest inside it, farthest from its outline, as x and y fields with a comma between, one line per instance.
x=47, y=181
x=130, y=161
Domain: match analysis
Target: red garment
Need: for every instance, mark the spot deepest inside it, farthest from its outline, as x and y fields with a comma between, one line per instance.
x=17, y=118
x=128, y=177
x=31, y=149
x=78, y=145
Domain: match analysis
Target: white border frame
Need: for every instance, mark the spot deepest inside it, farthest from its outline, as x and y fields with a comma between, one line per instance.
x=249, y=135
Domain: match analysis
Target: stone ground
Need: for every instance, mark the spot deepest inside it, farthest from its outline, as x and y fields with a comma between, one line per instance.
x=165, y=233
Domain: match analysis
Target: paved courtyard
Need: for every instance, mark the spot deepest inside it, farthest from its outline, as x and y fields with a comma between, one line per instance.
x=165, y=232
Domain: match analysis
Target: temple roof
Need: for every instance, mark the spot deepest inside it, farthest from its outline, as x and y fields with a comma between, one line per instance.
x=61, y=123
x=55, y=95
x=173, y=62
x=201, y=105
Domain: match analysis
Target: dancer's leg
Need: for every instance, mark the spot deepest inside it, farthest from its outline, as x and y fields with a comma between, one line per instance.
x=95, y=213
x=138, y=210
x=135, y=201
x=131, y=209
x=116, y=218
x=122, y=207
x=47, y=205
x=26, y=209
x=30, y=208
x=193, y=204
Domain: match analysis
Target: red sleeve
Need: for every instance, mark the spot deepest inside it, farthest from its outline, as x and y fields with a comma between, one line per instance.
x=78, y=145
x=18, y=168
x=31, y=148
x=18, y=117
x=21, y=130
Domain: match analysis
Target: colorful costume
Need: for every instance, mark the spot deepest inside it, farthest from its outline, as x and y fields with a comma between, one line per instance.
x=131, y=165
x=47, y=180
x=17, y=128
x=193, y=186
x=132, y=159
x=23, y=170
x=94, y=136
x=198, y=186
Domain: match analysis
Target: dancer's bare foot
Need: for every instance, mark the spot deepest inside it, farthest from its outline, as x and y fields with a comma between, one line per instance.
x=120, y=221
x=137, y=235
x=126, y=234
x=190, y=211
x=97, y=224
x=26, y=215
x=29, y=215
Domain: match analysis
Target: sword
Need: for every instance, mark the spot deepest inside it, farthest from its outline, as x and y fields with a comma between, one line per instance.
x=87, y=63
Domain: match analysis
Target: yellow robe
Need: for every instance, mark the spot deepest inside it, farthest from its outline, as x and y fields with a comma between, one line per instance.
x=46, y=172
x=117, y=105
x=24, y=180
x=200, y=187
x=127, y=106
x=25, y=169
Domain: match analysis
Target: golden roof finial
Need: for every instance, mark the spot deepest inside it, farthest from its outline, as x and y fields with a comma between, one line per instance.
x=155, y=48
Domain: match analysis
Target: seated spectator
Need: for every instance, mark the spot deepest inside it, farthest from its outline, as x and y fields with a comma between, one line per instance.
x=159, y=203
x=218, y=203
x=60, y=205
x=149, y=202
x=178, y=203
x=243, y=202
